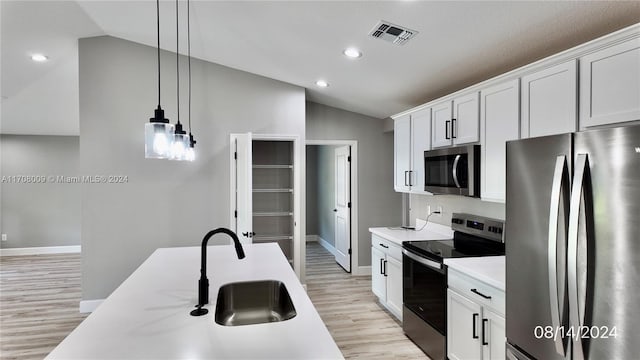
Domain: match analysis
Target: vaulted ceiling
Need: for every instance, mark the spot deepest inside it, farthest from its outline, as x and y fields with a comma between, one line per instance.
x=458, y=44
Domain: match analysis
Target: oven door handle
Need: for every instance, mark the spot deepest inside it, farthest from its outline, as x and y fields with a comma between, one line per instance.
x=430, y=263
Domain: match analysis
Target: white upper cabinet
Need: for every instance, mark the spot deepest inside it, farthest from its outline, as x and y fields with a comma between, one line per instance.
x=465, y=126
x=412, y=134
x=441, y=124
x=420, y=142
x=499, y=120
x=456, y=121
x=610, y=85
x=402, y=152
x=549, y=101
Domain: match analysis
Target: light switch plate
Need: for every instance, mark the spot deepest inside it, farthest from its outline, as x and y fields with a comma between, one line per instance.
x=4, y=237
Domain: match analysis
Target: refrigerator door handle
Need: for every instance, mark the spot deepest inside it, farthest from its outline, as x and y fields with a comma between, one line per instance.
x=455, y=170
x=576, y=319
x=560, y=176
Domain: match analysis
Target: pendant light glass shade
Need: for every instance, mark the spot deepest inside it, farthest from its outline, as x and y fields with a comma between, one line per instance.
x=191, y=152
x=179, y=144
x=158, y=135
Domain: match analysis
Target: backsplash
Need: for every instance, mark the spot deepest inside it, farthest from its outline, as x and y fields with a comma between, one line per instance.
x=452, y=203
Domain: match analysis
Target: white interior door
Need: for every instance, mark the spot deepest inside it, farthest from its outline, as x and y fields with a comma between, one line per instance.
x=242, y=193
x=342, y=207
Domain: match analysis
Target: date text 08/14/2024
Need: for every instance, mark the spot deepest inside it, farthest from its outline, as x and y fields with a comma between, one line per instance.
x=584, y=332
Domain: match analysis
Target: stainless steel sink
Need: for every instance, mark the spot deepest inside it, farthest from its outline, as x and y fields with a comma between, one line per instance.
x=253, y=302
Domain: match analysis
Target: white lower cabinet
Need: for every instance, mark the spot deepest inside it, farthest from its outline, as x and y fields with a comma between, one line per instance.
x=494, y=328
x=475, y=319
x=386, y=274
x=394, y=285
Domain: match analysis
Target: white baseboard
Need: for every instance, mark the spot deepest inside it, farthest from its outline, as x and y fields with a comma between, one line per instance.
x=362, y=271
x=87, y=306
x=311, y=238
x=41, y=250
x=330, y=248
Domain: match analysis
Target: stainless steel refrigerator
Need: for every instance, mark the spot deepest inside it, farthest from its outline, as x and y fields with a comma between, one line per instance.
x=572, y=239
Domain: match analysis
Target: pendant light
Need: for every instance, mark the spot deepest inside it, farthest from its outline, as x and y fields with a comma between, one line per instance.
x=191, y=153
x=180, y=140
x=158, y=131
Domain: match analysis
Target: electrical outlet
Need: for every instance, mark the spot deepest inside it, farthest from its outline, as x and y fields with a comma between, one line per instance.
x=4, y=237
x=439, y=209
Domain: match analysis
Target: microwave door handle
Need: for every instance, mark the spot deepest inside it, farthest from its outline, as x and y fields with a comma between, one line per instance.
x=578, y=193
x=560, y=176
x=455, y=171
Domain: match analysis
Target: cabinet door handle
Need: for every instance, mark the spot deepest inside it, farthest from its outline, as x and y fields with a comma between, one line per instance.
x=410, y=177
x=446, y=129
x=484, y=332
x=453, y=126
x=475, y=291
x=385, y=268
x=381, y=266
x=474, y=326
x=384, y=246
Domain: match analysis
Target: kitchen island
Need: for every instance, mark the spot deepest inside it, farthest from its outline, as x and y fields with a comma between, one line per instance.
x=147, y=316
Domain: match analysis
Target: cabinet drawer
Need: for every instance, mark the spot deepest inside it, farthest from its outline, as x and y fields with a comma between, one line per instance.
x=386, y=246
x=476, y=290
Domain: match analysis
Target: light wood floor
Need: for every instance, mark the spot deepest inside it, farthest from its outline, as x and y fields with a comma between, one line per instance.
x=358, y=324
x=39, y=297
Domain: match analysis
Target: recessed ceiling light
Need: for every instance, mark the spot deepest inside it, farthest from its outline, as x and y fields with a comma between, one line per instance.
x=322, y=83
x=352, y=53
x=39, y=57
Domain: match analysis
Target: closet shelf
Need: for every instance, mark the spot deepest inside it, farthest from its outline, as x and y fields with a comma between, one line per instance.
x=272, y=190
x=275, y=213
x=272, y=237
x=273, y=166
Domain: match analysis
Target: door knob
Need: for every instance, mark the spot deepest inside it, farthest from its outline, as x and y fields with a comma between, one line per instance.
x=335, y=210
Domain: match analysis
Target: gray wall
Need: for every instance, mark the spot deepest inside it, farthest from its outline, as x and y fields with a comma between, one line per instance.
x=40, y=214
x=164, y=203
x=379, y=204
x=311, y=202
x=451, y=204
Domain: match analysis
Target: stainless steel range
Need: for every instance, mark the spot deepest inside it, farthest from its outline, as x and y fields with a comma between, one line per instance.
x=425, y=277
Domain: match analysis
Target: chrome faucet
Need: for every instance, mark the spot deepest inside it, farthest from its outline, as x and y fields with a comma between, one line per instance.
x=203, y=283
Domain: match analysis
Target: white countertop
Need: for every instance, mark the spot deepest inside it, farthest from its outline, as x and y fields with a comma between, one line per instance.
x=431, y=231
x=147, y=317
x=488, y=269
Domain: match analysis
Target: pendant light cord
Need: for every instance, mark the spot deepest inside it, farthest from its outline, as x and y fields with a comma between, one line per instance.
x=189, y=59
x=158, y=32
x=177, y=63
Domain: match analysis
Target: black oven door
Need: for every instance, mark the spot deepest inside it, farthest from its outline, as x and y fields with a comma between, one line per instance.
x=424, y=288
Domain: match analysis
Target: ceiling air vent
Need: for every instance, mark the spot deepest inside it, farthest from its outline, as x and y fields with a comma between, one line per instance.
x=392, y=33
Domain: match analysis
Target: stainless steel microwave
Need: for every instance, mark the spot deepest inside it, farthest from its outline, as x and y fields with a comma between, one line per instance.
x=453, y=171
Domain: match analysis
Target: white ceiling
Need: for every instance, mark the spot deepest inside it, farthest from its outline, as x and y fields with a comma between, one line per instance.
x=459, y=43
